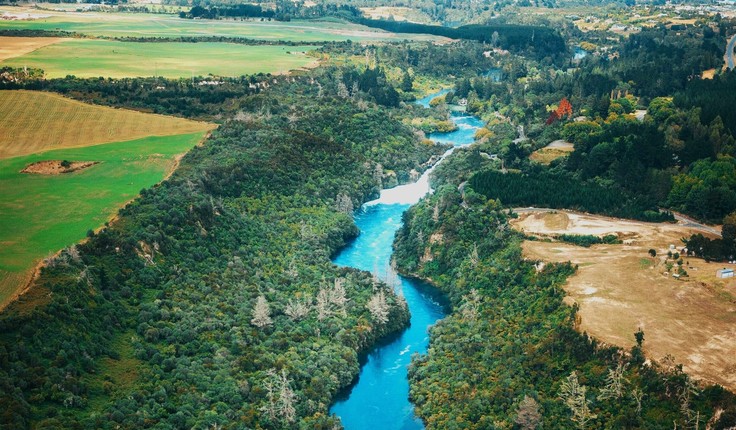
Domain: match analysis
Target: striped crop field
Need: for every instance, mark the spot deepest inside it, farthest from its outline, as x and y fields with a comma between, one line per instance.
x=16, y=46
x=32, y=121
x=86, y=58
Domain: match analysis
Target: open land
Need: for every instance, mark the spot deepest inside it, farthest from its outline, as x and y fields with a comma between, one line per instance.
x=111, y=155
x=551, y=152
x=156, y=25
x=31, y=122
x=16, y=46
x=398, y=14
x=56, y=167
x=94, y=58
x=620, y=289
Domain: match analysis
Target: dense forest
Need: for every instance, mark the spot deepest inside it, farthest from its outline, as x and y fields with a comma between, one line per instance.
x=541, y=41
x=211, y=301
x=207, y=98
x=280, y=11
x=563, y=191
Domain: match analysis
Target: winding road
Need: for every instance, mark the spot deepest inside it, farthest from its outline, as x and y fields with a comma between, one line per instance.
x=728, y=56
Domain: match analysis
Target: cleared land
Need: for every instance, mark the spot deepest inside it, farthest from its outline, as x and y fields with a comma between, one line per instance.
x=123, y=24
x=708, y=74
x=32, y=121
x=16, y=46
x=56, y=167
x=551, y=152
x=620, y=288
x=94, y=58
x=398, y=14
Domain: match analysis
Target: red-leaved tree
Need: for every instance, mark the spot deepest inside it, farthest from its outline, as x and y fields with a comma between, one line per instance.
x=563, y=109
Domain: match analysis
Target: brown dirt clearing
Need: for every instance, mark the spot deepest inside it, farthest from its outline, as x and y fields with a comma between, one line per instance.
x=16, y=46
x=620, y=288
x=57, y=167
x=551, y=152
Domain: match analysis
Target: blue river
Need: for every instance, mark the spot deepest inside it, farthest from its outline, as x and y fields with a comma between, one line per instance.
x=380, y=398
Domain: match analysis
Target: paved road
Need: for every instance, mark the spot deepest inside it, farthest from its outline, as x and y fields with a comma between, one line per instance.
x=683, y=220
x=729, y=57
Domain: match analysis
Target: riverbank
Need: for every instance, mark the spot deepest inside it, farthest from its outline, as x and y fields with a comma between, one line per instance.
x=380, y=398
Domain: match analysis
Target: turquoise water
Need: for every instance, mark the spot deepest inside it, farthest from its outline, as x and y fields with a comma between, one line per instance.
x=495, y=73
x=579, y=53
x=380, y=398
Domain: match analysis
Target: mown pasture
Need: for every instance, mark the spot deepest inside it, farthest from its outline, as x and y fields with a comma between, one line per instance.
x=87, y=58
x=32, y=121
x=157, y=25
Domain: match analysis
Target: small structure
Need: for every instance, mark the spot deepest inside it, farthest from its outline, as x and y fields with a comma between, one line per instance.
x=724, y=273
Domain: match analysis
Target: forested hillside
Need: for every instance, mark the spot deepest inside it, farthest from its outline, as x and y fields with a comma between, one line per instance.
x=509, y=355
x=211, y=301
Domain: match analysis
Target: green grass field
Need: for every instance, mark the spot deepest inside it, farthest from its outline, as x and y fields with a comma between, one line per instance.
x=88, y=58
x=40, y=214
x=127, y=24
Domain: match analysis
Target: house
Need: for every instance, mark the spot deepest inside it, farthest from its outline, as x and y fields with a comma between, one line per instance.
x=724, y=273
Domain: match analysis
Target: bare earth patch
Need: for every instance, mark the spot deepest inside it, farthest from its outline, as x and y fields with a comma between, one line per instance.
x=621, y=288
x=551, y=152
x=56, y=167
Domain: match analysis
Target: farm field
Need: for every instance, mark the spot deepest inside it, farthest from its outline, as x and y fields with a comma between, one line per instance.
x=154, y=25
x=16, y=46
x=621, y=288
x=32, y=121
x=62, y=208
x=42, y=213
x=93, y=58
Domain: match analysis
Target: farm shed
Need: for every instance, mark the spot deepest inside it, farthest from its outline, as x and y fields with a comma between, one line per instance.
x=724, y=273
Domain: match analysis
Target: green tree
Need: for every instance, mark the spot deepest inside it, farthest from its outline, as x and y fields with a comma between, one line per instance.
x=407, y=82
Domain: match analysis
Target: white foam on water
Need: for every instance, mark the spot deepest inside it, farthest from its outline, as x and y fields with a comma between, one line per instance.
x=408, y=194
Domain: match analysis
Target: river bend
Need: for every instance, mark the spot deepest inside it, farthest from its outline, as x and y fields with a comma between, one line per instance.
x=380, y=398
